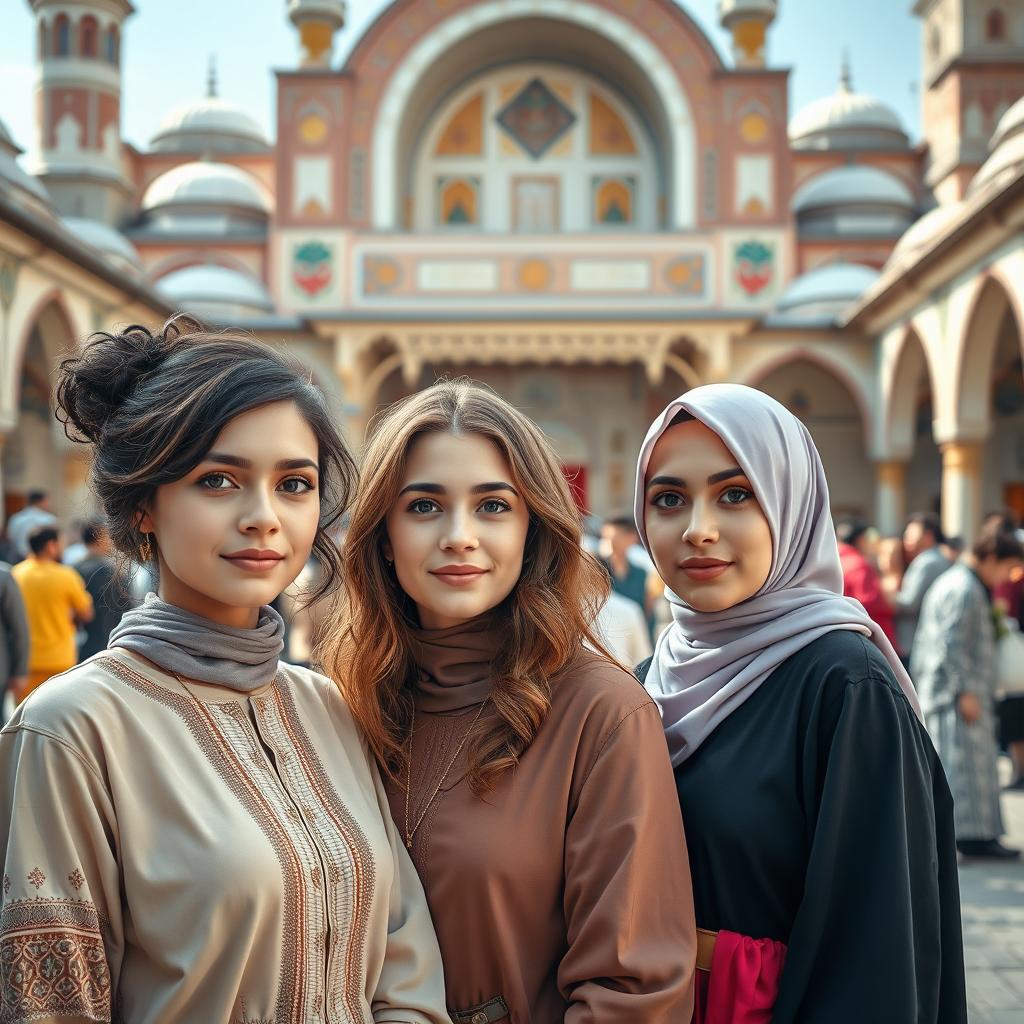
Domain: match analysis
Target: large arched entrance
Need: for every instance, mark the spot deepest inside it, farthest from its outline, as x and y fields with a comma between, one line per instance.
x=835, y=418
x=591, y=37
x=984, y=466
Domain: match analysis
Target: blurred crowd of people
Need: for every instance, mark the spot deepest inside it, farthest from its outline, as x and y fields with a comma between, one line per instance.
x=59, y=596
x=954, y=612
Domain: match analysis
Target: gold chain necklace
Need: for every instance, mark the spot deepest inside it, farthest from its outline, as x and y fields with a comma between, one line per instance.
x=410, y=832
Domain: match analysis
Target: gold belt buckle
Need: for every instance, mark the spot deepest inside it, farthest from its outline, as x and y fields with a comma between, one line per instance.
x=705, y=948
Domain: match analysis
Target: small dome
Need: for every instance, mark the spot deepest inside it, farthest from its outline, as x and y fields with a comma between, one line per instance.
x=212, y=290
x=1010, y=124
x=210, y=124
x=731, y=10
x=1006, y=162
x=923, y=230
x=825, y=292
x=204, y=184
x=106, y=239
x=846, y=185
x=847, y=120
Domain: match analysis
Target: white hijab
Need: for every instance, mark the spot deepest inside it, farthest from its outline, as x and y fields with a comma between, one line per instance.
x=706, y=664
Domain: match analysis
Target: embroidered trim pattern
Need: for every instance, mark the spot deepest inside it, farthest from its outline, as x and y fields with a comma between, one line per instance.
x=224, y=734
x=351, y=866
x=52, y=961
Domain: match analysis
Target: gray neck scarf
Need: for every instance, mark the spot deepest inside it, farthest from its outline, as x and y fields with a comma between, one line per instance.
x=708, y=663
x=196, y=648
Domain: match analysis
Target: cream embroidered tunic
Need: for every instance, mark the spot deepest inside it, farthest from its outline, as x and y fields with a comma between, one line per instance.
x=199, y=855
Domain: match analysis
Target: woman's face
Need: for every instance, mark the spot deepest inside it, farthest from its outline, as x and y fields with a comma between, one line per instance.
x=457, y=530
x=237, y=530
x=708, y=535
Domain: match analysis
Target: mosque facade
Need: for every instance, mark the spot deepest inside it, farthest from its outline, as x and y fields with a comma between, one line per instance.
x=580, y=203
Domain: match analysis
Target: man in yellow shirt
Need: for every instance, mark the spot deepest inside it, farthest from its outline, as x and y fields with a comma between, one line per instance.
x=55, y=602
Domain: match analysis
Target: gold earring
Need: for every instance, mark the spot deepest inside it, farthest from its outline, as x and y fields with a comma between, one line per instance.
x=146, y=549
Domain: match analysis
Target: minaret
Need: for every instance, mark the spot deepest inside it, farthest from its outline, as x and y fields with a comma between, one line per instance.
x=317, y=21
x=748, y=21
x=973, y=69
x=78, y=104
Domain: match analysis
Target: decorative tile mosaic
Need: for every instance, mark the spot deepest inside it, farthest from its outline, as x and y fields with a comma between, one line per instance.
x=536, y=118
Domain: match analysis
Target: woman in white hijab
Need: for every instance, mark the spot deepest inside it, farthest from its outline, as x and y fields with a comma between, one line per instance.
x=818, y=819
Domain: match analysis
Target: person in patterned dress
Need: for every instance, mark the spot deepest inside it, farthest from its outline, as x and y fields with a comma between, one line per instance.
x=953, y=663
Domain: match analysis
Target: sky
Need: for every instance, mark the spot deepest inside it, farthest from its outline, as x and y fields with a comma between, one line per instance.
x=168, y=44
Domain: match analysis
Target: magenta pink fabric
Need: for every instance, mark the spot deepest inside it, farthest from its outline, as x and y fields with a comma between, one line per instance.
x=743, y=983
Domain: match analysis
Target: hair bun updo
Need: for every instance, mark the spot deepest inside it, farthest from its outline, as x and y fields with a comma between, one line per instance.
x=94, y=386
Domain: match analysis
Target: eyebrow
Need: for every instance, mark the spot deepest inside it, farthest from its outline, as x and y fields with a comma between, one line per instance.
x=223, y=459
x=715, y=478
x=427, y=488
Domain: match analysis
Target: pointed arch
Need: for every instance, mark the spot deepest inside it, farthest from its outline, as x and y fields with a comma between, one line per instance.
x=993, y=300
x=911, y=368
x=760, y=371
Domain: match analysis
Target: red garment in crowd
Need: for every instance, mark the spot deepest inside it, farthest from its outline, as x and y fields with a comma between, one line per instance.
x=743, y=983
x=861, y=581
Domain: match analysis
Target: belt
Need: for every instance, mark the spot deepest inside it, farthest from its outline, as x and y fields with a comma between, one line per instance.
x=493, y=1010
x=705, y=948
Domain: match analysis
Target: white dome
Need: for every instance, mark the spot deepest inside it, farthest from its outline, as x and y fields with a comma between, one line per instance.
x=853, y=185
x=205, y=183
x=106, y=239
x=847, y=120
x=208, y=124
x=826, y=290
x=207, y=287
x=1010, y=124
x=925, y=229
x=1007, y=159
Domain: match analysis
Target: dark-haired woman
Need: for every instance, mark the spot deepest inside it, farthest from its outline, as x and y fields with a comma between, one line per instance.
x=528, y=776
x=193, y=830
x=819, y=819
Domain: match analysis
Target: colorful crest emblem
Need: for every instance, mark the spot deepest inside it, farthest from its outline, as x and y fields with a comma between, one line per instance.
x=754, y=266
x=312, y=267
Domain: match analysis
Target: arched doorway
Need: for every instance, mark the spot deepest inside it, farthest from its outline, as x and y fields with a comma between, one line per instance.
x=1002, y=481
x=990, y=413
x=911, y=440
x=835, y=419
x=35, y=454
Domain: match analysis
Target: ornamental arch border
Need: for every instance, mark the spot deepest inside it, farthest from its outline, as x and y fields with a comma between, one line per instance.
x=755, y=374
x=386, y=211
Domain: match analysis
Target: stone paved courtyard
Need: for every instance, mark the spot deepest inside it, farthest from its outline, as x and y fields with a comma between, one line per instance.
x=993, y=913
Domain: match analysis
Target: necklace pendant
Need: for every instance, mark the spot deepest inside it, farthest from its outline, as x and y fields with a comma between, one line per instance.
x=408, y=842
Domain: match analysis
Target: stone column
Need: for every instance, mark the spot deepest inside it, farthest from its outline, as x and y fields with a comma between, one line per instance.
x=891, y=496
x=961, y=488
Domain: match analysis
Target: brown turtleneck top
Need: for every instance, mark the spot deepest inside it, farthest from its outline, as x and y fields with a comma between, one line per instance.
x=564, y=894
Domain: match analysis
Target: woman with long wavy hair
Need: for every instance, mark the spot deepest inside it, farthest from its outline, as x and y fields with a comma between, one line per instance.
x=528, y=775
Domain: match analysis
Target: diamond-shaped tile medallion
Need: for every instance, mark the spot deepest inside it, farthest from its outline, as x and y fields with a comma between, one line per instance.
x=536, y=118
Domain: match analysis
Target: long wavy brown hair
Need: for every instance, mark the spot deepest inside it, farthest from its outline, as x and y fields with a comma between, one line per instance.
x=546, y=620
